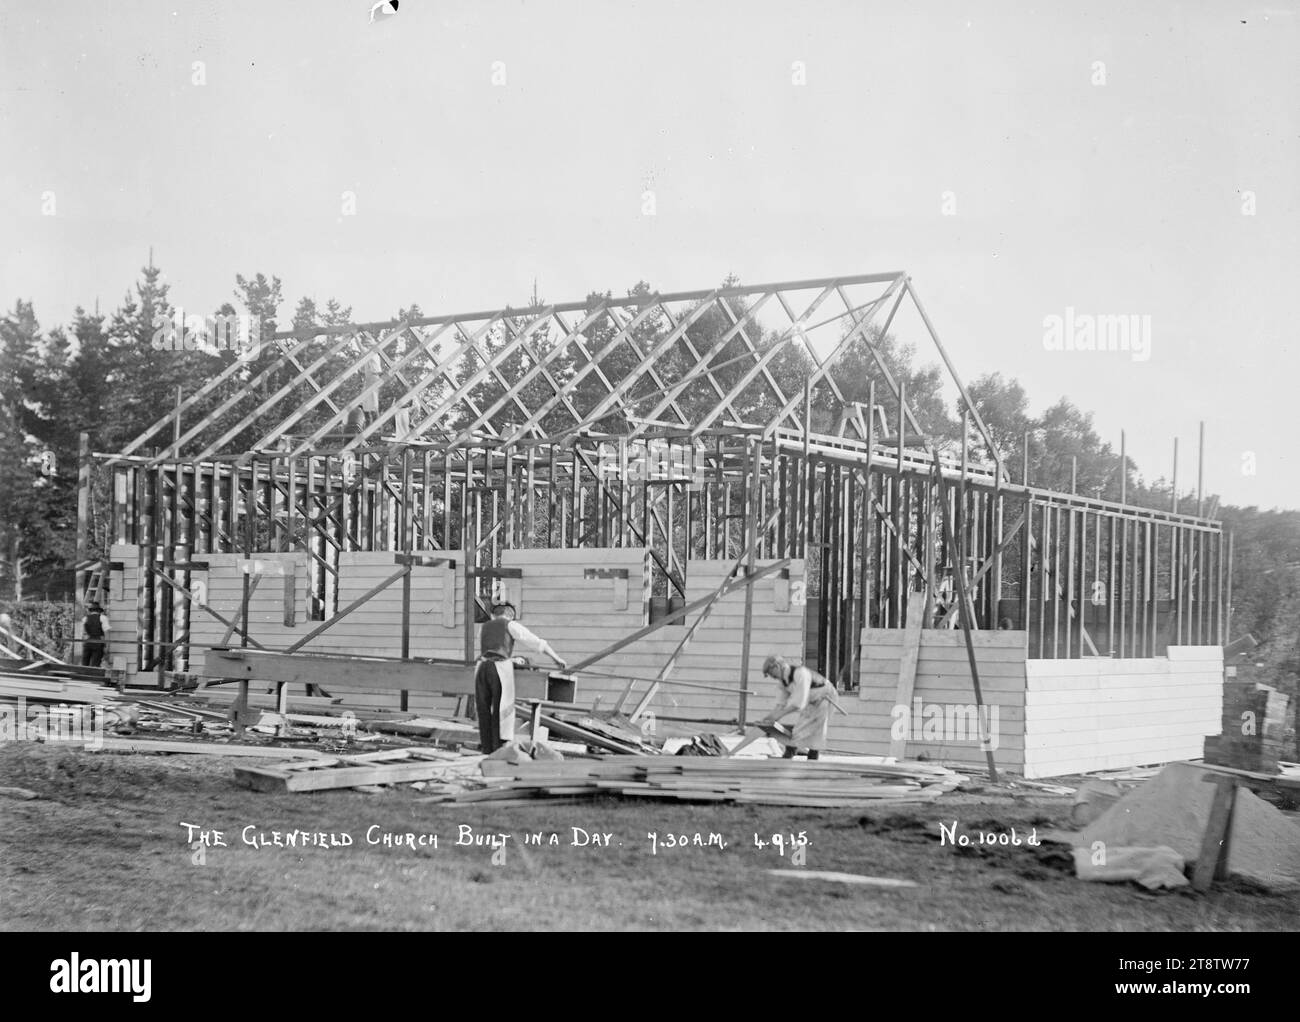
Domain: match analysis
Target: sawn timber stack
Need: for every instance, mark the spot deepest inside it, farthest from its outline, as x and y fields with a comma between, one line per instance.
x=757, y=782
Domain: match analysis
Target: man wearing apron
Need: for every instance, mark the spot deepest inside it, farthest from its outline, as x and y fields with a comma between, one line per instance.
x=807, y=692
x=494, y=677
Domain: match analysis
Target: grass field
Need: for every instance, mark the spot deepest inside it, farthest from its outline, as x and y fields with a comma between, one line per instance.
x=104, y=849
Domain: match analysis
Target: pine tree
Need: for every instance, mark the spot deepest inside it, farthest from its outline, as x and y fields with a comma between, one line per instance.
x=143, y=369
x=29, y=540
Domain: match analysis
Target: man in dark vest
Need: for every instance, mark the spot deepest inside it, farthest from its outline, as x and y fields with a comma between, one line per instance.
x=94, y=629
x=494, y=677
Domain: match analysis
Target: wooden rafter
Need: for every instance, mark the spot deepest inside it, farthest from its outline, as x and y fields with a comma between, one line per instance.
x=704, y=366
x=421, y=348
x=269, y=403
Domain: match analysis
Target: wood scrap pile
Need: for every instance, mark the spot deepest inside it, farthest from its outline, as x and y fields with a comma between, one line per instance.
x=51, y=690
x=40, y=684
x=756, y=782
x=607, y=734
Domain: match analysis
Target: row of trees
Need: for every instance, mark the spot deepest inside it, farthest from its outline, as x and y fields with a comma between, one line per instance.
x=105, y=375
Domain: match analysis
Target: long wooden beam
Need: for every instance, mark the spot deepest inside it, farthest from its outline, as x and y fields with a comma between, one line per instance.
x=672, y=616
x=340, y=615
x=667, y=669
x=324, y=669
x=632, y=300
x=231, y=628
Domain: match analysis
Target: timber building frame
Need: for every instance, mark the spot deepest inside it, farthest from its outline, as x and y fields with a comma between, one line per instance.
x=874, y=507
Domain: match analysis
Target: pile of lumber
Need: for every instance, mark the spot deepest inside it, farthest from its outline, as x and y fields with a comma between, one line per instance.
x=391, y=766
x=779, y=782
x=594, y=732
x=226, y=695
x=47, y=688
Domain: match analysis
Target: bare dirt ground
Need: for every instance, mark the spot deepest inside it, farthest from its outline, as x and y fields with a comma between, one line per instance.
x=104, y=848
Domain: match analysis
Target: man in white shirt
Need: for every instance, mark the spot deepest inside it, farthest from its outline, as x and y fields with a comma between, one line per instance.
x=494, y=675
x=806, y=692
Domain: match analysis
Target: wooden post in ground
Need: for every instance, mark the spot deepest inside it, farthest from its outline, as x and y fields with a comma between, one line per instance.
x=1174, y=485
x=176, y=424
x=1200, y=471
x=406, y=622
x=1212, y=861
x=863, y=621
x=1123, y=468
x=83, y=514
x=754, y=459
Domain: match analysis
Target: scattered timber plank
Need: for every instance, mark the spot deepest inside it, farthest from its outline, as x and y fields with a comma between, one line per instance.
x=45, y=688
x=423, y=727
x=112, y=744
x=758, y=782
x=339, y=777
x=841, y=878
x=222, y=696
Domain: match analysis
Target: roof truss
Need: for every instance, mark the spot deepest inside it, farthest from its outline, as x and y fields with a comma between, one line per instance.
x=686, y=361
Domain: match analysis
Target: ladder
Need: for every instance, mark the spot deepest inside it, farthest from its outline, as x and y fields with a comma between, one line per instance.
x=94, y=585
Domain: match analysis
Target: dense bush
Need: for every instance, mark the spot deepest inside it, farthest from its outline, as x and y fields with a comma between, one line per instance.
x=46, y=624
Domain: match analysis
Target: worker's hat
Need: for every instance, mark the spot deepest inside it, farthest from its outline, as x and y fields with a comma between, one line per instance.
x=498, y=608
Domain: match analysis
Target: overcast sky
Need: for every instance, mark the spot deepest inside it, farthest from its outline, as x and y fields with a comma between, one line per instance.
x=1018, y=160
